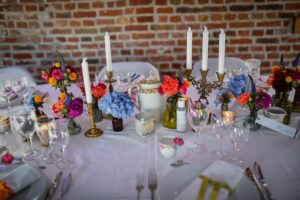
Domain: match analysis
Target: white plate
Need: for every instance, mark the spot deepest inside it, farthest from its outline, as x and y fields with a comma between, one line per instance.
x=36, y=191
x=177, y=180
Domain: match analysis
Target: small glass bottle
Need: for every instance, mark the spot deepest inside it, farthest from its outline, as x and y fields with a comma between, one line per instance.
x=181, y=116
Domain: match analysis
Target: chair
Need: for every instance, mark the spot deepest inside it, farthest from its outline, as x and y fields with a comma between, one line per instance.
x=231, y=63
x=10, y=73
x=138, y=67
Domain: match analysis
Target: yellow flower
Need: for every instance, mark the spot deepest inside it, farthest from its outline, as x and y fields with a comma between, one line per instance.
x=73, y=76
x=52, y=81
x=288, y=79
x=57, y=65
x=68, y=70
x=62, y=96
x=38, y=99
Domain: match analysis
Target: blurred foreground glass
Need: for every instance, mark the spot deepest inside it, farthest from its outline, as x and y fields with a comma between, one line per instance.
x=254, y=69
x=239, y=137
x=6, y=93
x=24, y=122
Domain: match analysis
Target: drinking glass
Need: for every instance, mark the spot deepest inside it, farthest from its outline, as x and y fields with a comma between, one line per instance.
x=46, y=130
x=197, y=115
x=20, y=87
x=254, y=69
x=25, y=122
x=239, y=137
x=62, y=141
x=6, y=92
x=219, y=130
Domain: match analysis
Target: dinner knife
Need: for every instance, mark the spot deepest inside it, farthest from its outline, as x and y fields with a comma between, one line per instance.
x=252, y=177
x=54, y=185
x=66, y=183
x=261, y=179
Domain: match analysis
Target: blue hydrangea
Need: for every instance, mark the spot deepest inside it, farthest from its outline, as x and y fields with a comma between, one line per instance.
x=117, y=104
x=30, y=103
x=237, y=84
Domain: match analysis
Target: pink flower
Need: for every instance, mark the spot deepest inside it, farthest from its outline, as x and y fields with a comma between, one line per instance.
x=183, y=89
x=57, y=74
x=45, y=75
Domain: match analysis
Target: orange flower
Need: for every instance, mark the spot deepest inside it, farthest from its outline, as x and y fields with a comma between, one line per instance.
x=275, y=68
x=62, y=96
x=243, y=98
x=58, y=106
x=73, y=76
x=98, y=92
x=52, y=81
x=38, y=99
x=298, y=69
x=170, y=86
x=186, y=83
x=57, y=65
x=270, y=80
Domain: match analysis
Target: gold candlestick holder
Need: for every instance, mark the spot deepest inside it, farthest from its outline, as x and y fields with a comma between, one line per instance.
x=203, y=86
x=109, y=76
x=93, y=131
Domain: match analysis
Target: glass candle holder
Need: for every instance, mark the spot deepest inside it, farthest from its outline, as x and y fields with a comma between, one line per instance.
x=228, y=117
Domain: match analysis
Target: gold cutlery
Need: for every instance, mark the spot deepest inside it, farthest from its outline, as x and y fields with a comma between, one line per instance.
x=152, y=182
x=252, y=177
x=139, y=185
x=261, y=179
x=54, y=185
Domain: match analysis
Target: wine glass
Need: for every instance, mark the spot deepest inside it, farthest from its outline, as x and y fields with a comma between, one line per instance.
x=254, y=69
x=62, y=141
x=239, y=136
x=46, y=130
x=6, y=92
x=20, y=87
x=25, y=122
x=219, y=131
x=197, y=115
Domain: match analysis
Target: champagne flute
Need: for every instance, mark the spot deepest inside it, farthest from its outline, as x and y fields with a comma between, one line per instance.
x=239, y=137
x=46, y=130
x=62, y=141
x=24, y=122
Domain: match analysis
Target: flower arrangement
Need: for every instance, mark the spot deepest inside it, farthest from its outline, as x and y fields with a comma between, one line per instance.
x=255, y=101
x=237, y=84
x=117, y=104
x=176, y=87
x=223, y=96
x=68, y=107
x=35, y=102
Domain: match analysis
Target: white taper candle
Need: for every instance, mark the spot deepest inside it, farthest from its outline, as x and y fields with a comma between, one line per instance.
x=221, y=51
x=86, y=79
x=205, y=49
x=189, y=46
x=108, y=51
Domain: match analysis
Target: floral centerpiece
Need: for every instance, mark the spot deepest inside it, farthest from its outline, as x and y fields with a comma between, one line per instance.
x=254, y=101
x=119, y=105
x=172, y=88
x=223, y=97
x=98, y=91
x=66, y=106
x=283, y=80
x=35, y=102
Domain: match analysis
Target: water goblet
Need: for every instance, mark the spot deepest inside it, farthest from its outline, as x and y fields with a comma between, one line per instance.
x=219, y=131
x=239, y=137
x=20, y=87
x=6, y=92
x=254, y=69
x=62, y=141
x=197, y=115
x=25, y=123
x=46, y=130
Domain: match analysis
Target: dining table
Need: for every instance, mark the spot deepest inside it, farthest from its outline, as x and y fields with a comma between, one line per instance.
x=106, y=167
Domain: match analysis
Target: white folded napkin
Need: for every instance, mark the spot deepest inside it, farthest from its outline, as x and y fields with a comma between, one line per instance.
x=20, y=177
x=218, y=171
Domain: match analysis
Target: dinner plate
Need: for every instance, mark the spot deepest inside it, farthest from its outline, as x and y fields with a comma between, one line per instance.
x=35, y=191
x=177, y=181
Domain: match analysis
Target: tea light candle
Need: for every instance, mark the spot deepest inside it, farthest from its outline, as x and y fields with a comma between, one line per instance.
x=4, y=123
x=228, y=117
x=43, y=131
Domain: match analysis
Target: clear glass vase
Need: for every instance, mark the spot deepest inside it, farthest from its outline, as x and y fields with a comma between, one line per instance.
x=281, y=99
x=169, y=116
x=249, y=122
x=98, y=116
x=73, y=127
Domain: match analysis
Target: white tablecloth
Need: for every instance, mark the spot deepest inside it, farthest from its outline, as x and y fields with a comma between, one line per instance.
x=106, y=167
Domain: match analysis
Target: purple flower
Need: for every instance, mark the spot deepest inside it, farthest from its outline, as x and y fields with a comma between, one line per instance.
x=57, y=74
x=264, y=100
x=75, y=108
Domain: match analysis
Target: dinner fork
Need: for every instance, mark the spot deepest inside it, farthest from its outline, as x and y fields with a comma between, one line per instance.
x=139, y=185
x=152, y=181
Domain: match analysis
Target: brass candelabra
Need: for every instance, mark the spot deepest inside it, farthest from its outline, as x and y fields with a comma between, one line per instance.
x=93, y=131
x=203, y=86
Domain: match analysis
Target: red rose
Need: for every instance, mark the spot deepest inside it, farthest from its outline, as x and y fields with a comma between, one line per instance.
x=7, y=158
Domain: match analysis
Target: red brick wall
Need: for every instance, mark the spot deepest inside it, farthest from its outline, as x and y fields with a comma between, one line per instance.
x=144, y=30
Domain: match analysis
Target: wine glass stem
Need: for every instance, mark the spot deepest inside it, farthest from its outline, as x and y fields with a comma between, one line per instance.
x=30, y=143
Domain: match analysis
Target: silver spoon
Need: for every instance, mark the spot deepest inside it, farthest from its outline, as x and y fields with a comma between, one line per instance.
x=178, y=163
